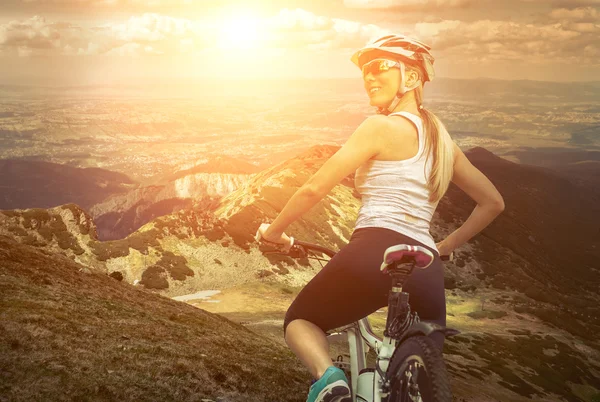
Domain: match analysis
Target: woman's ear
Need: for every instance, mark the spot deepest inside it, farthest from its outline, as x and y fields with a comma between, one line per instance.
x=411, y=78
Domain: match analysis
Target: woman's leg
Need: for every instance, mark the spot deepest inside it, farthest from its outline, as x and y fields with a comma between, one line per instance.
x=347, y=289
x=310, y=344
x=350, y=287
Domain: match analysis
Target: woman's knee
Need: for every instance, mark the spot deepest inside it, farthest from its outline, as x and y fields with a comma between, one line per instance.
x=290, y=316
x=286, y=323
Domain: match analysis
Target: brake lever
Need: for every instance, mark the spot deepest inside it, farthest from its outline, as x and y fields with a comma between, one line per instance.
x=297, y=252
x=280, y=248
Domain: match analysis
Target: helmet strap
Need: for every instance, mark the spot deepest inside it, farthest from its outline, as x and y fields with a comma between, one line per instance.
x=401, y=91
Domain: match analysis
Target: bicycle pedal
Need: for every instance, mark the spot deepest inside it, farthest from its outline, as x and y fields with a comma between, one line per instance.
x=342, y=364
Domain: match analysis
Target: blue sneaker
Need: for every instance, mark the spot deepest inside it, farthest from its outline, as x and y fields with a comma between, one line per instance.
x=331, y=387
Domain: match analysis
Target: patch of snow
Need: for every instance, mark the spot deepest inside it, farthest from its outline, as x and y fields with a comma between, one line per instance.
x=204, y=294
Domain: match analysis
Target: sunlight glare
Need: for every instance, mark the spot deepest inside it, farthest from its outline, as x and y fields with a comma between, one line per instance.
x=239, y=32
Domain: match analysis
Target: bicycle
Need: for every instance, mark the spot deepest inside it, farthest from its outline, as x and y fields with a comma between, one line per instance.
x=408, y=366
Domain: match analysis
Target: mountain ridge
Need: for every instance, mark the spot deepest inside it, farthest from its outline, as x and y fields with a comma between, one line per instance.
x=521, y=256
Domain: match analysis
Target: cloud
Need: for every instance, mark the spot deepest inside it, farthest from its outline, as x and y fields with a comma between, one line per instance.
x=145, y=34
x=592, y=51
x=407, y=5
x=110, y=3
x=585, y=20
x=580, y=14
x=152, y=28
x=152, y=33
x=90, y=50
x=490, y=41
x=576, y=3
x=37, y=36
x=24, y=51
x=35, y=33
x=569, y=36
x=132, y=49
x=300, y=20
x=303, y=28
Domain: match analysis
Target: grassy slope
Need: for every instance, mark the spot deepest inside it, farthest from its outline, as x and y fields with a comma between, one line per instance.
x=66, y=334
x=500, y=355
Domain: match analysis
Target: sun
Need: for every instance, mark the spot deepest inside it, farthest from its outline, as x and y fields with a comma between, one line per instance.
x=240, y=32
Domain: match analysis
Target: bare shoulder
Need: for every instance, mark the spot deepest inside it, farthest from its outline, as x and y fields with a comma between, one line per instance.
x=382, y=125
x=376, y=121
x=372, y=129
x=383, y=133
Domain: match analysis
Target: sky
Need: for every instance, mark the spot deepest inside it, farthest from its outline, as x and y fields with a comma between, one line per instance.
x=100, y=42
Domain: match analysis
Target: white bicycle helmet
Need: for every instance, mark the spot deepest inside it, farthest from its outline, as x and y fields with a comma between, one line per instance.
x=404, y=50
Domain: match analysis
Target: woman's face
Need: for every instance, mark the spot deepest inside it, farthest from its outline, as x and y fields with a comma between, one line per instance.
x=382, y=87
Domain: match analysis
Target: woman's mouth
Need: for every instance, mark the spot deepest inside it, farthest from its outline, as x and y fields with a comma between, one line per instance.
x=373, y=90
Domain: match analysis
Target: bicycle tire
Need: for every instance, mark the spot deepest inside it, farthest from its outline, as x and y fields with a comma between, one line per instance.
x=435, y=384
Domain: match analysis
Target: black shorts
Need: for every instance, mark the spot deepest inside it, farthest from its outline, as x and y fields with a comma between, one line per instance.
x=351, y=285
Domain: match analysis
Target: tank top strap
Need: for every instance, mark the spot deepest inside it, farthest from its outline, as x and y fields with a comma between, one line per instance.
x=418, y=122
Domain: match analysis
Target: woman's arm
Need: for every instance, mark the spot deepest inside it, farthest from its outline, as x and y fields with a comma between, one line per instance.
x=477, y=186
x=362, y=145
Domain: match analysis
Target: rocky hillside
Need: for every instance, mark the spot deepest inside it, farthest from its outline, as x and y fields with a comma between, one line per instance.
x=535, y=267
x=70, y=334
x=260, y=200
x=120, y=215
x=199, y=186
x=118, y=205
x=195, y=248
x=547, y=238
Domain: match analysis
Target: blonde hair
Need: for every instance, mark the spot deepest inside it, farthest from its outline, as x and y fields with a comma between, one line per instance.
x=438, y=144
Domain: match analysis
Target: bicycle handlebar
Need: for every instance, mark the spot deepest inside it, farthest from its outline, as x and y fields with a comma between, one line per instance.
x=299, y=249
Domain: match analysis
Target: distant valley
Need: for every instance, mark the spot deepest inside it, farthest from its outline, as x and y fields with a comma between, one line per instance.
x=150, y=133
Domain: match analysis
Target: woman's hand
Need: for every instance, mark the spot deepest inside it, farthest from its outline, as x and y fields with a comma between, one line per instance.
x=444, y=248
x=279, y=238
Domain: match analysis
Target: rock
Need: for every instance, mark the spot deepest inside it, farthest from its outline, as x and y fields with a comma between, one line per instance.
x=116, y=275
x=449, y=282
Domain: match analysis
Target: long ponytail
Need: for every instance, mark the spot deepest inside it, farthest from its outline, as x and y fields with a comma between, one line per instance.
x=438, y=145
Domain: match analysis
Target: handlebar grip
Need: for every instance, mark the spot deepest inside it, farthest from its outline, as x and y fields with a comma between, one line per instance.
x=449, y=257
x=259, y=239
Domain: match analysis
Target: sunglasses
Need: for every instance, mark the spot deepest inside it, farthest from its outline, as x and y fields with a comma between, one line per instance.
x=377, y=66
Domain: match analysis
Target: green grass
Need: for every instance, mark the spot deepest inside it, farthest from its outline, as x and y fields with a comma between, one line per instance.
x=491, y=314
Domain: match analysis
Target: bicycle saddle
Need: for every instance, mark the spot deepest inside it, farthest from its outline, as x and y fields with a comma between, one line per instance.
x=405, y=253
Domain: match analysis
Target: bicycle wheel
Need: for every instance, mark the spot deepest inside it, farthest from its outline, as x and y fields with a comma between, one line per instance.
x=417, y=373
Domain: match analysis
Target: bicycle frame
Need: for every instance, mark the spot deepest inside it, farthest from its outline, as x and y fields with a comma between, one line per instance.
x=360, y=338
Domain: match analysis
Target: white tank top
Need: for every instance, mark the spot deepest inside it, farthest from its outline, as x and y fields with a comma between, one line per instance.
x=394, y=193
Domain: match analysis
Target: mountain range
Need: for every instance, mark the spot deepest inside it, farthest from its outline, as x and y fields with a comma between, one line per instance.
x=535, y=269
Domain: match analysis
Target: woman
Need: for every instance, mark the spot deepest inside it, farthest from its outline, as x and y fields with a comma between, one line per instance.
x=404, y=160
